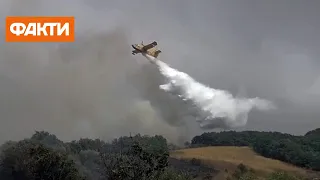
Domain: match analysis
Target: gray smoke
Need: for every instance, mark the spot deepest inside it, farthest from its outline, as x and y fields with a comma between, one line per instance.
x=94, y=87
x=74, y=90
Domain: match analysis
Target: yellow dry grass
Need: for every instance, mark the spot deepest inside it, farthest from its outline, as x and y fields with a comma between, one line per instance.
x=222, y=157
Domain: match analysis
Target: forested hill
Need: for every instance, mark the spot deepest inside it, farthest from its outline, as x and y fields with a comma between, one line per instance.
x=303, y=151
x=315, y=132
x=44, y=156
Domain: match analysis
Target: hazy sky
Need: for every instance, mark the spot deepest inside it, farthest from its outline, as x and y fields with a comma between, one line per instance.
x=268, y=48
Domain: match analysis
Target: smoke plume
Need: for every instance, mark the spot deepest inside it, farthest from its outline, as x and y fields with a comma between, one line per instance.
x=94, y=87
x=74, y=90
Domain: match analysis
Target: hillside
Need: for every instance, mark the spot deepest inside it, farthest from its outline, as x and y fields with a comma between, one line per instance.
x=147, y=157
x=227, y=158
x=302, y=151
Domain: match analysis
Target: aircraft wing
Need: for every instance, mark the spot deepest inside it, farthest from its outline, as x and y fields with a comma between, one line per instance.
x=149, y=46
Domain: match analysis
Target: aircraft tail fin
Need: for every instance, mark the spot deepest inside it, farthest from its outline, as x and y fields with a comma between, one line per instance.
x=156, y=54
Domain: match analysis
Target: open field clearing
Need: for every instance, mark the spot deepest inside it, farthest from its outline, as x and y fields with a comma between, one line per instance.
x=227, y=158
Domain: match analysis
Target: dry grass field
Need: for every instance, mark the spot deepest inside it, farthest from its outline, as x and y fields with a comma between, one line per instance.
x=226, y=159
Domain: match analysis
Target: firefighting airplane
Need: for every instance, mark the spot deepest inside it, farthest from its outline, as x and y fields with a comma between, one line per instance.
x=149, y=49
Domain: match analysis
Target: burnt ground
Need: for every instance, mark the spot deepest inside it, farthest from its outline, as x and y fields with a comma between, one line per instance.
x=193, y=168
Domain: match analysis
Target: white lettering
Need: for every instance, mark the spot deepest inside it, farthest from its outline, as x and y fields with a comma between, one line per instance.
x=42, y=29
x=51, y=25
x=17, y=28
x=31, y=29
x=65, y=28
x=38, y=29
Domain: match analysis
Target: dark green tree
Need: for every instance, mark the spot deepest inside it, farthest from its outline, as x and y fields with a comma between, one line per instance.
x=33, y=161
x=137, y=163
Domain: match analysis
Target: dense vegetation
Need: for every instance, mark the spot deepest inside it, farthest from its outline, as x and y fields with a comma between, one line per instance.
x=303, y=151
x=244, y=173
x=44, y=156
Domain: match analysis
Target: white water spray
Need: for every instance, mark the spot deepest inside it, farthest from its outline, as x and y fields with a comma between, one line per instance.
x=212, y=108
